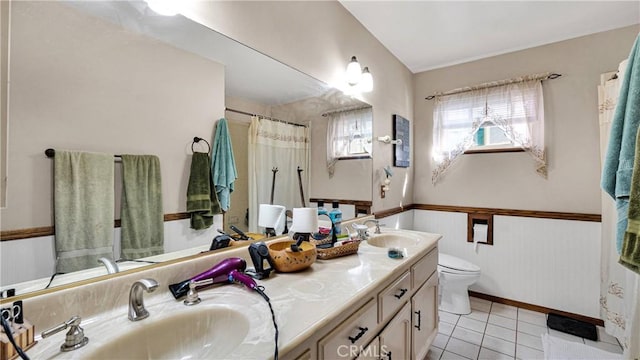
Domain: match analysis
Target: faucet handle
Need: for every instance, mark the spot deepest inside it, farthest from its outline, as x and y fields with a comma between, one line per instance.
x=75, y=338
x=192, y=295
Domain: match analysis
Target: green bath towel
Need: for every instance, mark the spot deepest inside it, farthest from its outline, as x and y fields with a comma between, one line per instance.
x=202, y=202
x=83, y=205
x=630, y=254
x=142, y=215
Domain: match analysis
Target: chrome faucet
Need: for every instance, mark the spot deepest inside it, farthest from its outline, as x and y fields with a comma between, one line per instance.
x=136, y=303
x=112, y=266
x=377, y=231
x=75, y=336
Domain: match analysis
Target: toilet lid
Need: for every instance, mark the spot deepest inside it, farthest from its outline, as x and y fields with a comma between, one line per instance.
x=454, y=263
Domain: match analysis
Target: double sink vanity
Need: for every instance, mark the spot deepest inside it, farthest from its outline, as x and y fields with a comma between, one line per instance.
x=367, y=305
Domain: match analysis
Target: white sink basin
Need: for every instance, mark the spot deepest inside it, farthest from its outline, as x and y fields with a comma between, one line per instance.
x=195, y=333
x=395, y=240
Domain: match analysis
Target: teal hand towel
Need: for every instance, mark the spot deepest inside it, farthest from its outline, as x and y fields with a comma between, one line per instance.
x=619, y=160
x=142, y=215
x=223, y=166
x=202, y=202
x=83, y=209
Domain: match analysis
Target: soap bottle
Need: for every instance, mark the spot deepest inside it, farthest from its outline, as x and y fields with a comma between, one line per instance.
x=336, y=217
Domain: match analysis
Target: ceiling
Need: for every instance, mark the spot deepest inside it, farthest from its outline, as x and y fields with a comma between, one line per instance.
x=426, y=35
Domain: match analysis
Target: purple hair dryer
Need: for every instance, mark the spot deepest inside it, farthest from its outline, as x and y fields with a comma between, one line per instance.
x=242, y=278
x=219, y=273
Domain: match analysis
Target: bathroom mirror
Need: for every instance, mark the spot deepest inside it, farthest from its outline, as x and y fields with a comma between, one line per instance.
x=248, y=79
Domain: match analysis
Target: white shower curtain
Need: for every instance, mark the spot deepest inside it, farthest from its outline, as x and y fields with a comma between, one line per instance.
x=274, y=144
x=619, y=287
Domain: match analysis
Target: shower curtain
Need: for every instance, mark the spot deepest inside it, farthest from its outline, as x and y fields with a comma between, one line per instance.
x=274, y=144
x=619, y=287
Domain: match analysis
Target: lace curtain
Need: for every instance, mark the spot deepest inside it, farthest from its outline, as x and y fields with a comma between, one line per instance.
x=619, y=287
x=274, y=144
x=516, y=108
x=347, y=134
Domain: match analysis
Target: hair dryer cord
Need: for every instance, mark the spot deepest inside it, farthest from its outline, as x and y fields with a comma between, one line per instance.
x=260, y=290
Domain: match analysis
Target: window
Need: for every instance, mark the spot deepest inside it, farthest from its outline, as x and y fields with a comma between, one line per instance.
x=349, y=135
x=491, y=118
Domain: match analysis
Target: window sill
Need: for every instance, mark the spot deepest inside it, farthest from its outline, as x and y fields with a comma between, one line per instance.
x=358, y=157
x=489, y=150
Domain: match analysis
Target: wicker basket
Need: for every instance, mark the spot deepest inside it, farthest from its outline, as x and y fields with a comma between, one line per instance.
x=338, y=251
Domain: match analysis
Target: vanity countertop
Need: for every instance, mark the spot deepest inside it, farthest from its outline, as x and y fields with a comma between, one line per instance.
x=303, y=303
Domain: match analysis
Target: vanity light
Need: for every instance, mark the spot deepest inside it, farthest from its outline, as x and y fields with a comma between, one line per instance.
x=354, y=72
x=366, y=83
x=163, y=7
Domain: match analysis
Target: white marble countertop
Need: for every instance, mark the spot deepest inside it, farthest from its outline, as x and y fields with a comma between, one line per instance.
x=303, y=302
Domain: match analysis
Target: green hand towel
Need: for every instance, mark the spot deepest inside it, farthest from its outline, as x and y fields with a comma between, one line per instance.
x=223, y=167
x=202, y=201
x=83, y=205
x=142, y=215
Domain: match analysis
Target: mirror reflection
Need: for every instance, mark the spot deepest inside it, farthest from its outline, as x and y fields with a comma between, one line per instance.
x=115, y=77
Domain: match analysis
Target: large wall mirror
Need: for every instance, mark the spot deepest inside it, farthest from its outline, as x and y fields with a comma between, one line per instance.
x=113, y=76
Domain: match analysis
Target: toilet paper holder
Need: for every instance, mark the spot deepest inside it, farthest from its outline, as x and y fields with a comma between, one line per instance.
x=482, y=219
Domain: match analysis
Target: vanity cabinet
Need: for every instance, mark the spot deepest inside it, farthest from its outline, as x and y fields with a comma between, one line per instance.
x=406, y=321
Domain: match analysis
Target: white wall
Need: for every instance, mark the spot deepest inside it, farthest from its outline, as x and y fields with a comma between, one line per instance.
x=509, y=180
x=32, y=260
x=545, y=262
x=318, y=38
x=80, y=94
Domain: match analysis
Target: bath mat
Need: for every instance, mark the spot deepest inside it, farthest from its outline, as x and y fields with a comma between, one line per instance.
x=572, y=326
x=560, y=349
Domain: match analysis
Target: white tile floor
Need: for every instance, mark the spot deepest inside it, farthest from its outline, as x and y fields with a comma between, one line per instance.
x=498, y=331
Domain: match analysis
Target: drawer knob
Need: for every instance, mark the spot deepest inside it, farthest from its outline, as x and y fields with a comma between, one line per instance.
x=401, y=294
x=363, y=330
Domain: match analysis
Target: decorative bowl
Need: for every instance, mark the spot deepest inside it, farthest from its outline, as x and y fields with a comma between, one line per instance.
x=287, y=260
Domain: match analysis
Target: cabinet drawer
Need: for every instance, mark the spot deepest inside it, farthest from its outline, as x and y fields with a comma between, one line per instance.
x=423, y=268
x=394, y=296
x=353, y=334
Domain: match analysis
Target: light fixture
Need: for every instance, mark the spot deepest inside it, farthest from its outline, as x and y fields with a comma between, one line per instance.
x=163, y=7
x=366, y=83
x=354, y=72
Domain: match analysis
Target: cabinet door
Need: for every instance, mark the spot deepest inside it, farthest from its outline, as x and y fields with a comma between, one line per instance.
x=395, y=339
x=424, y=319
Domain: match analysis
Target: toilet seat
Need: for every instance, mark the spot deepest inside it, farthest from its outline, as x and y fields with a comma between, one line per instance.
x=453, y=265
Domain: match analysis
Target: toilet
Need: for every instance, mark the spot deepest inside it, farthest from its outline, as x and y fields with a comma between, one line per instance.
x=455, y=276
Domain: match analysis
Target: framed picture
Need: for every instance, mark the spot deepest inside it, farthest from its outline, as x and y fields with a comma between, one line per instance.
x=401, y=131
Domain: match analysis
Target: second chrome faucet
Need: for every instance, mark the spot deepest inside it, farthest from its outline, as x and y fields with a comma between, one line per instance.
x=137, y=310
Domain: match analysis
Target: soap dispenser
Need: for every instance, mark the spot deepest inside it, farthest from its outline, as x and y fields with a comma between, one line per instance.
x=336, y=217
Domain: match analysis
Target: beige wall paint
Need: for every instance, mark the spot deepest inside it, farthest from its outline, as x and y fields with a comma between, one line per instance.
x=508, y=180
x=319, y=38
x=75, y=95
